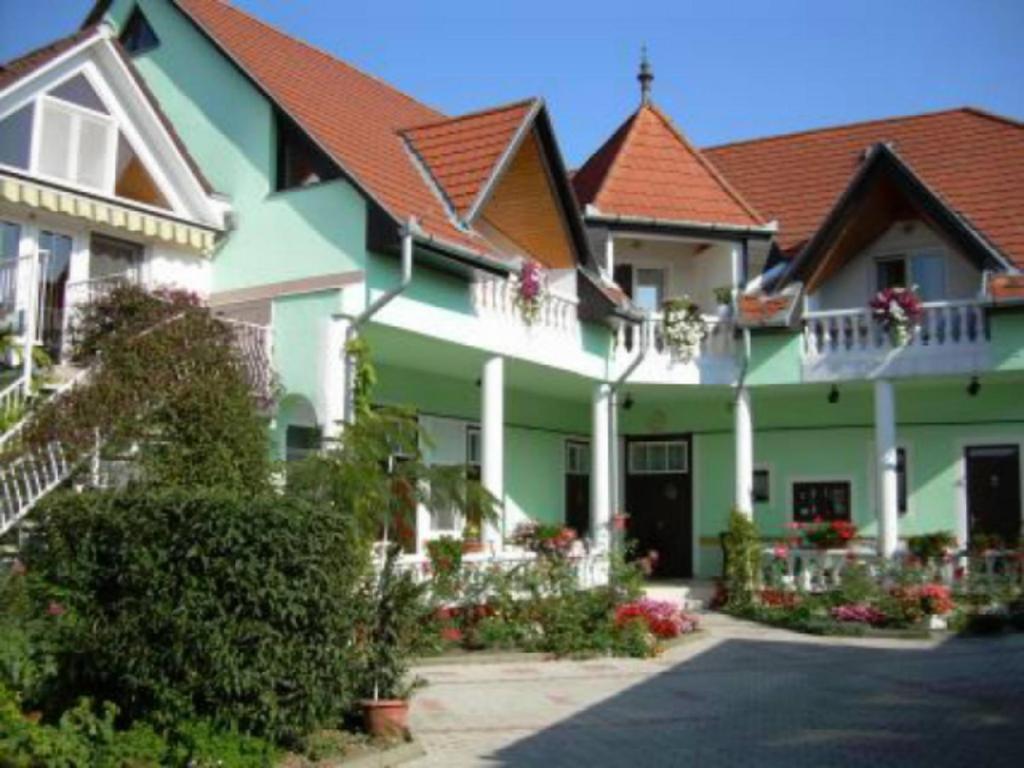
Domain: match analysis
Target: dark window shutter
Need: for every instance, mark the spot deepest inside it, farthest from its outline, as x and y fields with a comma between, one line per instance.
x=624, y=277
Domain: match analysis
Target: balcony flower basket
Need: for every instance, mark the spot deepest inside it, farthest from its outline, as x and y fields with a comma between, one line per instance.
x=683, y=328
x=545, y=540
x=899, y=312
x=530, y=292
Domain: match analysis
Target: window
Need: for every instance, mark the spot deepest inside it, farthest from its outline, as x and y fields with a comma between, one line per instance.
x=650, y=289
x=55, y=264
x=16, y=138
x=891, y=273
x=131, y=180
x=761, y=486
x=77, y=90
x=138, y=36
x=925, y=271
x=299, y=162
x=474, y=451
x=901, y=480
x=821, y=500
x=300, y=442
x=658, y=457
x=114, y=258
x=10, y=241
x=577, y=458
x=76, y=144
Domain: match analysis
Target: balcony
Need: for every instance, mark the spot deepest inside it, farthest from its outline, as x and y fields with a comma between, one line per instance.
x=953, y=337
x=714, y=362
x=495, y=300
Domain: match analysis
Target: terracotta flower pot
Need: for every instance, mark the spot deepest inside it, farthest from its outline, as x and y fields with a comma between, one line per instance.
x=471, y=547
x=386, y=718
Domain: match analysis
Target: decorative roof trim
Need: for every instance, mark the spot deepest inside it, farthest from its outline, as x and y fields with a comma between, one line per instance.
x=880, y=157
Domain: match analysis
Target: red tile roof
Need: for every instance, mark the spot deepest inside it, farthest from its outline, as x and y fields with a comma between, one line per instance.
x=355, y=117
x=649, y=169
x=15, y=69
x=462, y=153
x=971, y=159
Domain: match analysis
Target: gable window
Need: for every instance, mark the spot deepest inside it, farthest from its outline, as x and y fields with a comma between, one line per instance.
x=924, y=271
x=821, y=500
x=76, y=141
x=16, y=138
x=138, y=35
x=299, y=162
x=649, y=291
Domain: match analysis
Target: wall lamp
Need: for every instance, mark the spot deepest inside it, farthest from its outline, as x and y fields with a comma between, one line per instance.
x=833, y=395
x=974, y=387
x=627, y=402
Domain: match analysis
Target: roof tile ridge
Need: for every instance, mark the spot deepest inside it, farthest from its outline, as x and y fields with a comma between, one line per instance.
x=716, y=174
x=993, y=116
x=470, y=115
x=333, y=58
x=842, y=126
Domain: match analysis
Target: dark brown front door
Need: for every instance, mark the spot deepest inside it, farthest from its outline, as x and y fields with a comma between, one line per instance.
x=577, y=486
x=659, y=503
x=993, y=492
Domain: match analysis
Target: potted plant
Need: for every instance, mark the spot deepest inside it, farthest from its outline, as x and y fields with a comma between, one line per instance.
x=530, y=292
x=821, y=534
x=931, y=546
x=472, y=540
x=683, y=328
x=545, y=539
x=723, y=298
x=391, y=611
x=898, y=311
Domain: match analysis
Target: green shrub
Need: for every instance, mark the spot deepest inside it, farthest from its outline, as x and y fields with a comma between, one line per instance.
x=929, y=546
x=742, y=546
x=27, y=636
x=184, y=603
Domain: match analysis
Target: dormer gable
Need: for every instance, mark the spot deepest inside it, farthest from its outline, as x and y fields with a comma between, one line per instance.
x=75, y=116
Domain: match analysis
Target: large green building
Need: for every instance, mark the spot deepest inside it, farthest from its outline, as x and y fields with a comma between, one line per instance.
x=350, y=209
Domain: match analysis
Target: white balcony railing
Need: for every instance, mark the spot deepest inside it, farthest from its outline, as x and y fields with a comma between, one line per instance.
x=718, y=343
x=496, y=299
x=952, y=337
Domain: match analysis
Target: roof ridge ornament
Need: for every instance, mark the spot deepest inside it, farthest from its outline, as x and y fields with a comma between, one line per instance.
x=646, y=77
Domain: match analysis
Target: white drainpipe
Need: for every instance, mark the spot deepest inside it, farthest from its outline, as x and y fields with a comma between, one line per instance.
x=613, y=421
x=376, y=306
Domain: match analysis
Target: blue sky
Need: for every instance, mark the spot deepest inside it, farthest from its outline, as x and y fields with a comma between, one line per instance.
x=724, y=70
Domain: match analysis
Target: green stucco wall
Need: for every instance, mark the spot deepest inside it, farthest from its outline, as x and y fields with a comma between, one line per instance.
x=774, y=357
x=1007, y=329
x=228, y=127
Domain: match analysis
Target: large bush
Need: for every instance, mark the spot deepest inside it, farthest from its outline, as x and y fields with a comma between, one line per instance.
x=183, y=603
x=167, y=382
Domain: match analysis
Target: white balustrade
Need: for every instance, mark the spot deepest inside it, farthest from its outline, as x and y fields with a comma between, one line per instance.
x=497, y=298
x=943, y=325
x=717, y=343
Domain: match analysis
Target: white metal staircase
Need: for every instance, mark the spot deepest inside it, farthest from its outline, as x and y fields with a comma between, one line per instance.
x=31, y=475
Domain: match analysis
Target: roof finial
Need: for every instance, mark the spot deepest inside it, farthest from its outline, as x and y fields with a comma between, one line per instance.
x=646, y=77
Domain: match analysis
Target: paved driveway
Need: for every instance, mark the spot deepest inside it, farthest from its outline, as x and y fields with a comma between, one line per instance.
x=741, y=696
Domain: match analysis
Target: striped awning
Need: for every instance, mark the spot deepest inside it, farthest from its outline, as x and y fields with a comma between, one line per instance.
x=151, y=226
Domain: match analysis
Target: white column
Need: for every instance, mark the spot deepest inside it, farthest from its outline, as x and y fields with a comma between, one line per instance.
x=600, y=468
x=885, y=452
x=492, y=436
x=744, y=434
x=609, y=255
x=334, y=404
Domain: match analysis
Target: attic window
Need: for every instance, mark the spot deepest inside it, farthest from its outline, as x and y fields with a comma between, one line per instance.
x=138, y=36
x=299, y=162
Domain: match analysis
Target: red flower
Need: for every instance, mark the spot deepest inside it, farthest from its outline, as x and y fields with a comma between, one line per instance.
x=451, y=634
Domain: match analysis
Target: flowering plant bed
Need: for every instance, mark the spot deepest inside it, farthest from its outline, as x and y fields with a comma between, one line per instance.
x=531, y=291
x=898, y=311
x=663, y=618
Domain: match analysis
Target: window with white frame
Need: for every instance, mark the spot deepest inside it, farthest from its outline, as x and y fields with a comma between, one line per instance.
x=761, y=486
x=925, y=271
x=577, y=457
x=651, y=457
x=649, y=289
x=824, y=500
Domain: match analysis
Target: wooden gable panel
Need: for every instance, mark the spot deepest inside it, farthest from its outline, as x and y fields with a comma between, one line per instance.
x=525, y=210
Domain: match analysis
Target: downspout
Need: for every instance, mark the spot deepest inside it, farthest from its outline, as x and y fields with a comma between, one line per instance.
x=613, y=420
x=376, y=306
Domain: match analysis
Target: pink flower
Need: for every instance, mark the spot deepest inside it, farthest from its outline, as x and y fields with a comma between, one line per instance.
x=780, y=551
x=55, y=609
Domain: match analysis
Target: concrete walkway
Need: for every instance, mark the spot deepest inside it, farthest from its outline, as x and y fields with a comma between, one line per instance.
x=740, y=695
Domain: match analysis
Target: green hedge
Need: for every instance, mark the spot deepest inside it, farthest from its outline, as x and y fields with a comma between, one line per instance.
x=181, y=604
